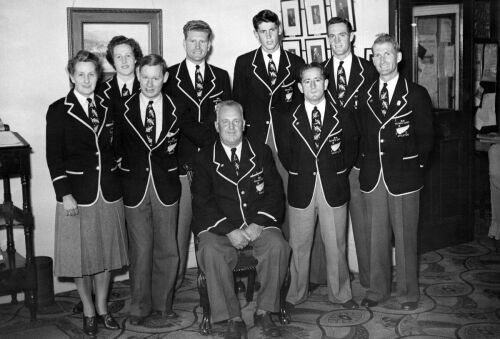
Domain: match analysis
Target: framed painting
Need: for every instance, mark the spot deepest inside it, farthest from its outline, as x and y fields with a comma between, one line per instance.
x=291, y=18
x=315, y=17
x=93, y=28
x=293, y=46
x=344, y=9
x=316, y=50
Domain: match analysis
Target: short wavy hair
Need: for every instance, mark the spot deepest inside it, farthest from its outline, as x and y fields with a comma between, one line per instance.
x=197, y=25
x=265, y=15
x=339, y=20
x=84, y=56
x=383, y=38
x=153, y=60
x=122, y=40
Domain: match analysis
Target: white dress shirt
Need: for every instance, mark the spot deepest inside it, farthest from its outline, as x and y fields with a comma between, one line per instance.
x=129, y=83
x=346, y=65
x=191, y=66
x=309, y=108
x=158, y=107
x=227, y=149
x=391, y=86
x=83, y=101
x=276, y=58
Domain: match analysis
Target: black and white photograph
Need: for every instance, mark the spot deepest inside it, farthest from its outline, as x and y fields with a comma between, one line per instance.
x=291, y=18
x=316, y=50
x=343, y=9
x=293, y=46
x=315, y=17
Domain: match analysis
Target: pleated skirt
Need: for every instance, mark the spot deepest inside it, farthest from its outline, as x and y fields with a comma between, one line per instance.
x=92, y=241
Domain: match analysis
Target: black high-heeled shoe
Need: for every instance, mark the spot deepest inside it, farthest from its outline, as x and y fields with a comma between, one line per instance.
x=108, y=321
x=90, y=326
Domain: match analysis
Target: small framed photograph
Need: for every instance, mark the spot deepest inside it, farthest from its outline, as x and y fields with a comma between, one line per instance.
x=369, y=54
x=315, y=17
x=344, y=9
x=291, y=18
x=293, y=46
x=316, y=50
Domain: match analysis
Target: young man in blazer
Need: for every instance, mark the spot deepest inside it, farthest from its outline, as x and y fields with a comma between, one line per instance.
x=200, y=87
x=238, y=200
x=349, y=75
x=265, y=83
x=146, y=141
x=396, y=137
x=312, y=148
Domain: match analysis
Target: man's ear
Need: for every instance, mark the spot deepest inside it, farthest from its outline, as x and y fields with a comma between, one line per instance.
x=352, y=37
x=300, y=87
x=256, y=36
x=399, y=57
x=216, y=126
x=326, y=84
x=165, y=77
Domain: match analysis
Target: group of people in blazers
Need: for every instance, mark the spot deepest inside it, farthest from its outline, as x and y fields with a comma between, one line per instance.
x=174, y=150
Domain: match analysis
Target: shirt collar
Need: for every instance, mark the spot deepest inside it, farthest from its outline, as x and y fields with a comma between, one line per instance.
x=227, y=149
x=391, y=85
x=191, y=66
x=321, y=106
x=129, y=83
x=347, y=61
x=276, y=57
x=145, y=100
x=83, y=100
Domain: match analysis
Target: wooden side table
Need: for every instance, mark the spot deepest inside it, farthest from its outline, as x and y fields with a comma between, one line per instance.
x=17, y=274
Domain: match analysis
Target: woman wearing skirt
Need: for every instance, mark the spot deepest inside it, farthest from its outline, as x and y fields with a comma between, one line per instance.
x=90, y=235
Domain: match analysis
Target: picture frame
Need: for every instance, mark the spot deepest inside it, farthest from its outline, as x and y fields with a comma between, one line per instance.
x=316, y=50
x=93, y=28
x=344, y=9
x=315, y=17
x=369, y=54
x=293, y=46
x=291, y=18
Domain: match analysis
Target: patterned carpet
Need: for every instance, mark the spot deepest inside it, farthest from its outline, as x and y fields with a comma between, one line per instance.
x=460, y=298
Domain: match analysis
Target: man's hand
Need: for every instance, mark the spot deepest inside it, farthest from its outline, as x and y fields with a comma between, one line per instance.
x=253, y=230
x=70, y=205
x=237, y=239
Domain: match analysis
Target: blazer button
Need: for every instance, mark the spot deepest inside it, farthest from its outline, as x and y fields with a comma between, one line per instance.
x=147, y=169
x=242, y=192
x=382, y=153
x=96, y=153
x=381, y=141
x=244, y=204
x=267, y=122
x=314, y=173
x=97, y=168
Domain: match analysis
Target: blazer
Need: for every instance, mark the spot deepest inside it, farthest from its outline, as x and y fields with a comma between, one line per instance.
x=304, y=162
x=223, y=202
x=362, y=75
x=80, y=161
x=109, y=89
x=197, y=117
x=261, y=102
x=140, y=164
x=395, y=147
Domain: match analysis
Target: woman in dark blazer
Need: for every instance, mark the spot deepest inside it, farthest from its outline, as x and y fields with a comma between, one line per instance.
x=90, y=236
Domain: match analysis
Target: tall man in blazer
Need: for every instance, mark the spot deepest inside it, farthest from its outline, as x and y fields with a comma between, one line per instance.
x=146, y=141
x=312, y=148
x=349, y=75
x=396, y=138
x=200, y=87
x=265, y=83
x=238, y=200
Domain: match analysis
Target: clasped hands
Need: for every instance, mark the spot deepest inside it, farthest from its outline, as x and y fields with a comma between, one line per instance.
x=240, y=237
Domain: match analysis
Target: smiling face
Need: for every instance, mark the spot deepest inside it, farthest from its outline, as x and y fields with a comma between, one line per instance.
x=230, y=125
x=124, y=60
x=151, y=79
x=268, y=36
x=197, y=46
x=386, y=59
x=313, y=85
x=340, y=40
x=85, y=78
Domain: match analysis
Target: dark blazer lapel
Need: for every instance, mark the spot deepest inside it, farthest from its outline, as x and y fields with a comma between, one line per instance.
x=185, y=84
x=398, y=100
x=330, y=122
x=283, y=69
x=224, y=167
x=332, y=85
x=303, y=127
x=75, y=110
x=102, y=112
x=108, y=87
x=169, y=119
x=133, y=116
x=373, y=102
x=208, y=82
x=247, y=163
x=259, y=69
x=356, y=79
x=137, y=86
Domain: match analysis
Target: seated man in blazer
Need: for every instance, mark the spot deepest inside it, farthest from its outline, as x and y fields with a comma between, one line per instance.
x=237, y=201
x=312, y=148
x=146, y=140
x=200, y=87
x=396, y=139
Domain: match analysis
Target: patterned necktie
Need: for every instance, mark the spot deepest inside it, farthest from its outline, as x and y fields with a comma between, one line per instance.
x=150, y=124
x=384, y=99
x=125, y=91
x=271, y=70
x=341, y=82
x=235, y=161
x=316, y=126
x=94, y=118
x=198, y=82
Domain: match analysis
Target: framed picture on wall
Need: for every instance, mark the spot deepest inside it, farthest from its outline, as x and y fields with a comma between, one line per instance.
x=293, y=46
x=93, y=28
x=369, y=54
x=315, y=17
x=291, y=18
x=344, y=9
x=316, y=50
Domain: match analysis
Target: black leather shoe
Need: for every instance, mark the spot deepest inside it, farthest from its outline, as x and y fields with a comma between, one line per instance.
x=108, y=321
x=350, y=304
x=135, y=320
x=164, y=314
x=409, y=306
x=78, y=308
x=368, y=302
x=236, y=329
x=90, y=326
x=267, y=325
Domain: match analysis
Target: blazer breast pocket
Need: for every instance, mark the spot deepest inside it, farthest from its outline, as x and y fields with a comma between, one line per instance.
x=258, y=181
x=288, y=91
